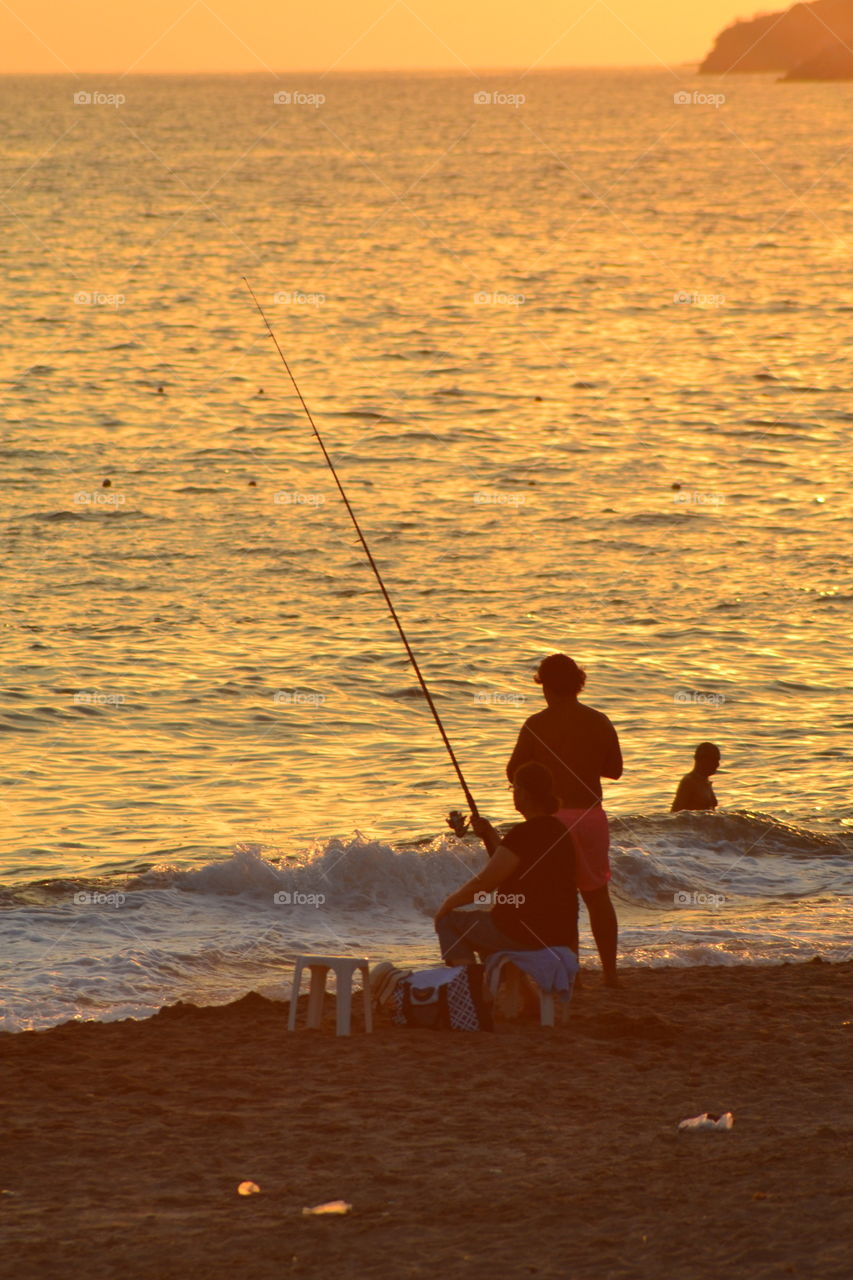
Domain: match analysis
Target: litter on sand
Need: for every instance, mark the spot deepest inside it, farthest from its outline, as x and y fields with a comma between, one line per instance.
x=708, y=1121
x=329, y=1208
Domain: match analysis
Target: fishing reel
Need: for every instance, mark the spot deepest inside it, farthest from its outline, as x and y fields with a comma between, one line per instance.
x=457, y=822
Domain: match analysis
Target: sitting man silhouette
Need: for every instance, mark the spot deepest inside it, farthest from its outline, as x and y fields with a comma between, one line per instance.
x=531, y=872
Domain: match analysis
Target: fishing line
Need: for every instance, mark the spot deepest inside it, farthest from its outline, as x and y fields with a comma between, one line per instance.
x=469, y=798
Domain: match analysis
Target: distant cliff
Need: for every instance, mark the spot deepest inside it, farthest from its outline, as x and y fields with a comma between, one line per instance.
x=834, y=62
x=808, y=41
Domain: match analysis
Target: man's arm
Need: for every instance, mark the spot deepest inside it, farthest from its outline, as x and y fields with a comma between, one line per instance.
x=499, y=868
x=487, y=833
x=613, y=766
x=524, y=751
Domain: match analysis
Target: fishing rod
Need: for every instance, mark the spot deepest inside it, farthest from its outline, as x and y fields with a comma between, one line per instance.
x=456, y=820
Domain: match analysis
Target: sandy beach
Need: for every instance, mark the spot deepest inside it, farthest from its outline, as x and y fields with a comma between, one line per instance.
x=526, y=1152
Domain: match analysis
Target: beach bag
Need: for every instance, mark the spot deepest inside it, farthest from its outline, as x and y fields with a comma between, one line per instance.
x=449, y=998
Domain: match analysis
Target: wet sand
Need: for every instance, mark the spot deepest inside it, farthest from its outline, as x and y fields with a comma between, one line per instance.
x=527, y=1152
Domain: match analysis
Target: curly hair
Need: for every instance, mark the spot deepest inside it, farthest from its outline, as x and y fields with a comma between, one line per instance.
x=560, y=674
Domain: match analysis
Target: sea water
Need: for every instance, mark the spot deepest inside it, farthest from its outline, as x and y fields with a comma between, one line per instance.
x=583, y=365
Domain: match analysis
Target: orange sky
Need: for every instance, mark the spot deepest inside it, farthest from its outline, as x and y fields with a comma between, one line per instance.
x=115, y=36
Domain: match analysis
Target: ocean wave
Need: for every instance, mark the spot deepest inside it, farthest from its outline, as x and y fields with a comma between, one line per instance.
x=97, y=513
x=350, y=874
x=653, y=857
x=737, y=828
x=355, y=874
x=370, y=414
x=710, y=859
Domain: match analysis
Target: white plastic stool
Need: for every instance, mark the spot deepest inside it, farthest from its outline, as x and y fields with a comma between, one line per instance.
x=547, y=1007
x=343, y=967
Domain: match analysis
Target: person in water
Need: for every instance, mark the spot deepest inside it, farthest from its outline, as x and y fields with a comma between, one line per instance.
x=531, y=872
x=694, y=789
x=580, y=746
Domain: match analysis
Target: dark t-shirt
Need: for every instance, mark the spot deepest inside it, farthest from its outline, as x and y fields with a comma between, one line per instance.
x=547, y=915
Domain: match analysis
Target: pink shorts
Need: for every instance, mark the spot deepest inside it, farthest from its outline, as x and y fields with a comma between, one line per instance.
x=591, y=834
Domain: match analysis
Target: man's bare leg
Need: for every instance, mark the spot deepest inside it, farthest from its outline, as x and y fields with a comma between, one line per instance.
x=605, y=930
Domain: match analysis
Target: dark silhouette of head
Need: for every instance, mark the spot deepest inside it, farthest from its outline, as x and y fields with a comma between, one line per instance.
x=560, y=677
x=533, y=789
x=707, y=757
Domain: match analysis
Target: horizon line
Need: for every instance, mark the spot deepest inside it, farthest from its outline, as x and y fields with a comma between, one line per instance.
x=474, y=71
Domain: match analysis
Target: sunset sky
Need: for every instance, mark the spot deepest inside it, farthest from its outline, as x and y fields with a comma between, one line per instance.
x=117, y=36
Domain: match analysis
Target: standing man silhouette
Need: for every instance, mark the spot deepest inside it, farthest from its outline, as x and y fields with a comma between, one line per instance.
x=580, y=746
